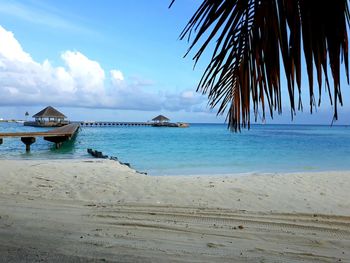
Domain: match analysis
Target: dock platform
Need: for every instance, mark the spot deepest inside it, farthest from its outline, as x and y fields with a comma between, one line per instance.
x=57, y=136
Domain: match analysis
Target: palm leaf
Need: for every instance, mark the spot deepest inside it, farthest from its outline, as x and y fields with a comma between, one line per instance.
x=251, y=38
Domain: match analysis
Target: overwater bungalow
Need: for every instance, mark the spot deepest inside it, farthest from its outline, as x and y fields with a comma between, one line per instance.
x=48, y=117
x=160, y=119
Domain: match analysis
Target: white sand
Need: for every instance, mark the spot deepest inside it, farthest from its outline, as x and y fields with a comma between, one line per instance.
x=92, y=210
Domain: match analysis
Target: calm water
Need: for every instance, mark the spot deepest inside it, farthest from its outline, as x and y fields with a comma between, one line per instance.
x=202, y=148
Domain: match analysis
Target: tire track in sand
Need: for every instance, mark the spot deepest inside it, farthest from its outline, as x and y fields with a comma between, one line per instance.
x=280, y=237
x=338, y=227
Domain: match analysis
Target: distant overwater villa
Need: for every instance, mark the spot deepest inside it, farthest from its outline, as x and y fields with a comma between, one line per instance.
x=48, y=117
x=159, y=121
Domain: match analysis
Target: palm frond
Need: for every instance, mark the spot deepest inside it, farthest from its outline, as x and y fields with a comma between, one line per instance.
x=251, y=37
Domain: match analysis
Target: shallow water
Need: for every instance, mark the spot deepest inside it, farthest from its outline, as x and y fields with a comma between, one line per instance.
x=201, y=149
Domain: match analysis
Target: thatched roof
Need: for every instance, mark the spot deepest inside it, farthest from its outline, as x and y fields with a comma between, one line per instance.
x=49, y=112
x=160, y=118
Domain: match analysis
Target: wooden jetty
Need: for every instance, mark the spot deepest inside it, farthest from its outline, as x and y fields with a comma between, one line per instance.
x=153, y=124
x=112, y=123
x=159, y=121
x=57, y=136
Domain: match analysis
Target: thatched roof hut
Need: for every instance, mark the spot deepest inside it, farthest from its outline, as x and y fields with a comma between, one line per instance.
x=48, y=117
x=49, y=113
x=160, y=118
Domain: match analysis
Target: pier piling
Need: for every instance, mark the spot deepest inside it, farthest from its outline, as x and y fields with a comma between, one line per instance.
x=57, y=140
x=28, y=141
x=1, y=140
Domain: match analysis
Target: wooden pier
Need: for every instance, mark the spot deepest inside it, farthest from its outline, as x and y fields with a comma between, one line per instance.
x=57, y=136
x=109, y=123
x=151, y=124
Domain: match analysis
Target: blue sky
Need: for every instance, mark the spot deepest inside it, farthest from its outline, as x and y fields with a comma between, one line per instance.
x=108, y=60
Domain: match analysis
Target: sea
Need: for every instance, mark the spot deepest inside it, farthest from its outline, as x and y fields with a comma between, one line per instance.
x=201, y=149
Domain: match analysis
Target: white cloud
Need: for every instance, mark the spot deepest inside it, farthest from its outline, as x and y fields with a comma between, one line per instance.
x=137, y=81
x=11, y=48
x=87, y=74
x=188, y=94
x=117, y=78
x=80, y=82
x=117, y=75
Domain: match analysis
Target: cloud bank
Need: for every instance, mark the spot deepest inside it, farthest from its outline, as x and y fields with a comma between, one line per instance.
x=80, y=82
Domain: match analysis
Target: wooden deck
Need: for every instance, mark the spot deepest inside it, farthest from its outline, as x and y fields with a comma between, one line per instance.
x=57, y=136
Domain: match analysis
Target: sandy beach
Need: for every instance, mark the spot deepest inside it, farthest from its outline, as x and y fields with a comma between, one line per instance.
x=98, y=210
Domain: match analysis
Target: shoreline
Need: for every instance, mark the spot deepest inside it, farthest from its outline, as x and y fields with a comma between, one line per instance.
x=222, y=174
x=89, y=210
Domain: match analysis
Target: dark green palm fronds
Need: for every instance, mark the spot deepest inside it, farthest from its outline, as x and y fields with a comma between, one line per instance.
x=249, y=39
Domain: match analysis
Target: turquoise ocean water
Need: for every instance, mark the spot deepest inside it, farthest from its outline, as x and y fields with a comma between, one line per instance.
x=201, y=149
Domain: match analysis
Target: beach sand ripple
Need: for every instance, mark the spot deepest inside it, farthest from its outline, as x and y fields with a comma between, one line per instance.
x=96, y=211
